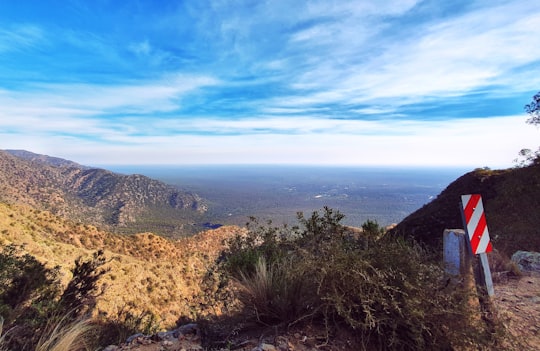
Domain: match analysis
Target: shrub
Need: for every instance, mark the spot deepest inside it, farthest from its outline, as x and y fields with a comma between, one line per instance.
x=27, y=287
x=388, y=290
x=81, y=292
x=261, y=241
x=372, y=229
x=37, y=314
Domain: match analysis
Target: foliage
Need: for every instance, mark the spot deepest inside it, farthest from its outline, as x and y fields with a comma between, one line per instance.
x=372, y=229
x=26, y=285
x=527, y=156
x=36, y=313
x=261, y=241
x=387, y=289
x=533, y=109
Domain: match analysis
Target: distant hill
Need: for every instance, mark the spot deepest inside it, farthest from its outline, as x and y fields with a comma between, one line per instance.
x=511, y=200
x=46, y=160
x=122, y=203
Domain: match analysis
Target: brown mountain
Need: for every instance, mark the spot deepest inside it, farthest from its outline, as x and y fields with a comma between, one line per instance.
x=511, y=200
x=122, y=203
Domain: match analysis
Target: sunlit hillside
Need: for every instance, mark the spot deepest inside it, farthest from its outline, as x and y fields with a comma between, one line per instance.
x=147, y=272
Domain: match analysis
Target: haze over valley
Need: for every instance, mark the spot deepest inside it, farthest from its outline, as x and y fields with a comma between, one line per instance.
x=234, y=193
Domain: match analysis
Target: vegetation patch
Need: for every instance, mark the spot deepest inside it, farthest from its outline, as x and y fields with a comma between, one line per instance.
x=388, y=290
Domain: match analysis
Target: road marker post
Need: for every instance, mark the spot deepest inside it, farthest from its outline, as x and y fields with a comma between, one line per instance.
x=479, y=244
x=474, y=221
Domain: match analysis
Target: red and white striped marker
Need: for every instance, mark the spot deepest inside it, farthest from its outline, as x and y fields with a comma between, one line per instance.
x=473, y=214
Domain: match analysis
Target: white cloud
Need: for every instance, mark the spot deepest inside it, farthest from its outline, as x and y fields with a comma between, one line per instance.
x=53, y=101
x=472, y=142
x=305, y=72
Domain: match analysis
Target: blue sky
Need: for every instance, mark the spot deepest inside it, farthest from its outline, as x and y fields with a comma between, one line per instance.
x=402, y=83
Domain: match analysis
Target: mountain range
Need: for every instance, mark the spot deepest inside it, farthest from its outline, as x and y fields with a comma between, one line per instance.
x=121, y=203
x=131, y=204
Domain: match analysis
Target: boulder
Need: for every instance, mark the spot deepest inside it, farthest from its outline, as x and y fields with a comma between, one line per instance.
x=527, y=261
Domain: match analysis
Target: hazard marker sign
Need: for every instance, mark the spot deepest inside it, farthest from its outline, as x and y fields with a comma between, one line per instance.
x=476, y=226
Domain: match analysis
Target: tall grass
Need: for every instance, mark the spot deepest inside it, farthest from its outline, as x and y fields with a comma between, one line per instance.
x=66, y=335
x=273, y=292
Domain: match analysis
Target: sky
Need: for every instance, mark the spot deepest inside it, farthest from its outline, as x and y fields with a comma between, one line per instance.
x=367, y=83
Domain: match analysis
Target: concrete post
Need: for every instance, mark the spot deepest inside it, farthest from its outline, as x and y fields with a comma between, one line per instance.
x=459, y=263
x=457, y=259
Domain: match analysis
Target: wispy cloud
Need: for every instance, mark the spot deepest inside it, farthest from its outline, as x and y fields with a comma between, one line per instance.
x=70, y=100
x=452, y=57
x=20, y=37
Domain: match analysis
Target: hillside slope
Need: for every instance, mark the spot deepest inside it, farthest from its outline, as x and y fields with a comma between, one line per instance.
x=124, y=203
x=511, y=200
x=163, y=275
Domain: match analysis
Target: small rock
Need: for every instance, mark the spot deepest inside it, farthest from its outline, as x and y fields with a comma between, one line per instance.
x=265, y=347
x=134, y=337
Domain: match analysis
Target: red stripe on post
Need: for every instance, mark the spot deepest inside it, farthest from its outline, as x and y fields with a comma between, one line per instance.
x=470, y=206
x=477, y=234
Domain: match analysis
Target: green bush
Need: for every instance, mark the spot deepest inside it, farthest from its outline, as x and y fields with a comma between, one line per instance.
x=34, y=308
x=24, y=279
x=386, y=289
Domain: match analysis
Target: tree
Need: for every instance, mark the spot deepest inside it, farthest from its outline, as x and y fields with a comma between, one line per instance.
x=527, y=156
x=533, y=109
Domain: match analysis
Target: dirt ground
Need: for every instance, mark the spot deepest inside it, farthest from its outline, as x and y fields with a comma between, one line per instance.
x=518, y=305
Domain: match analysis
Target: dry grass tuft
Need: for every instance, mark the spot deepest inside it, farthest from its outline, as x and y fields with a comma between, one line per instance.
x=63, y=335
